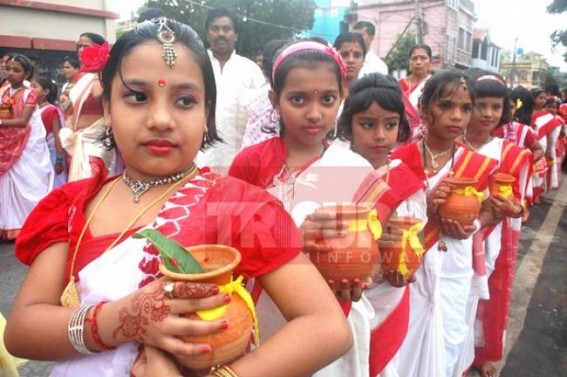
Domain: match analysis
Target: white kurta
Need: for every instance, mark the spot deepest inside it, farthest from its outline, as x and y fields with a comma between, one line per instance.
x=236, y=78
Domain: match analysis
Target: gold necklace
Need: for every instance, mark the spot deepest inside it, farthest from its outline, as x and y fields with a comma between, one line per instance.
x=433, y=157
x=70, y=297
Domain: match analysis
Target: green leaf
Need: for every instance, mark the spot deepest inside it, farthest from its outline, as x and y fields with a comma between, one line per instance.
x=173, y=255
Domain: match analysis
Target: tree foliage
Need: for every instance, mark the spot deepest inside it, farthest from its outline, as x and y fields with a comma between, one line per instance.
x=397, y=57
x=259, y=21
x=558, y=36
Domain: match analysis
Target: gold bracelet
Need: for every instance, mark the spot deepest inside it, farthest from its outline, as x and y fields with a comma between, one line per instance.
x=222, y=371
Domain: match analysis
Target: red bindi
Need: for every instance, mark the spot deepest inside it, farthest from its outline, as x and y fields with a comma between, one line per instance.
x=161, y=83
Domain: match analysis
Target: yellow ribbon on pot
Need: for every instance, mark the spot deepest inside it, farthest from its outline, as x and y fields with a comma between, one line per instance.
x=235, y=286
x=409, y=237
x=371, y=223
x=470, y=191
x=504, y=190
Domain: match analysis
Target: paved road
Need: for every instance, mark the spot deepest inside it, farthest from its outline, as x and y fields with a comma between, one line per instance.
x=537, y=335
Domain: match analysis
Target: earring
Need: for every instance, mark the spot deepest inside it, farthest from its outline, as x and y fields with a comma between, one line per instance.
x=206, y=137
x=274, y=118
x=108, y=141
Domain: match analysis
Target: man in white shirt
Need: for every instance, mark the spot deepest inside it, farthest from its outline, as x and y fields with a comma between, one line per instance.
x=234, y=76
x=372, y=63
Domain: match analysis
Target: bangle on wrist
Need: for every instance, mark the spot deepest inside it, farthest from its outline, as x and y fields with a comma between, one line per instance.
x=76, y=330
x=222, y=371
x=94, y=328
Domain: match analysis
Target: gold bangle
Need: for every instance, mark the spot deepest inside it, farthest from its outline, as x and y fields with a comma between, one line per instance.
x=222, y=371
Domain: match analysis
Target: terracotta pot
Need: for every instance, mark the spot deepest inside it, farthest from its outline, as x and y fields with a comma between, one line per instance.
x=354, y=256
x=550, y=162
x=503, y=185
x=228, y=345
x=6, y=112
x=461, y=206
x=399, y=256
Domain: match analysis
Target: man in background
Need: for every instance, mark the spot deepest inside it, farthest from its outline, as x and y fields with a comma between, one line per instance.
x=372, y=63
x=235, y=75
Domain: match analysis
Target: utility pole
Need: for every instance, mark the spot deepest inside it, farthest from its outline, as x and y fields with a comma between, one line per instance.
x=418, y=22
x=513, y=71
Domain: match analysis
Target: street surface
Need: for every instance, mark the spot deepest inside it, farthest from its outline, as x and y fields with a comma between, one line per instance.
x=537, y=332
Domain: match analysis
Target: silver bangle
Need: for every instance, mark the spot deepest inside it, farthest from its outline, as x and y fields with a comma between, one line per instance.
x=76, y=330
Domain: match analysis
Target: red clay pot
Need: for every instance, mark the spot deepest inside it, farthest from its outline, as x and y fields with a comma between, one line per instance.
x=392, y=252
x=228, y=345
x=503, y=185
x=354, y=256
x=459, y=206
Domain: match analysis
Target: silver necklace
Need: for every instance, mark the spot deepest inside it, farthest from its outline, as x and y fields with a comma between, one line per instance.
x=139, y=188
x=433, y=157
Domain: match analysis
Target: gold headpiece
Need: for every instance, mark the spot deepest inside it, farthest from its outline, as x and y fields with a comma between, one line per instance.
x=166, y=37
x=519, y=104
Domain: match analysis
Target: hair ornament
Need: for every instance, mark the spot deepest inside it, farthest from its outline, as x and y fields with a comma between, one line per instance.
x=519, y=104
x=94, y=57
x=491, y=77
x=310, y=45
x=166, y=37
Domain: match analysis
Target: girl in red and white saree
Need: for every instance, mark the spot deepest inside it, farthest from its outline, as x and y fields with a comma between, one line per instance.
x=160, y=92
x=500, y=241
x=26, y=174
x=374, y=121
x=438, y=327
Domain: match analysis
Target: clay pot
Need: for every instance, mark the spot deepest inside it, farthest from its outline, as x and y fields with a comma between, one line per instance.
x=550, y=162
x=394, y=252
x=460, y=206
x=228, y=345
x=354, y=256
x=6, y=112
x=503, y=185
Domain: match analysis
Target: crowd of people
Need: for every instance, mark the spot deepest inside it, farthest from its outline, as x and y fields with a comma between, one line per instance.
x=207, y=147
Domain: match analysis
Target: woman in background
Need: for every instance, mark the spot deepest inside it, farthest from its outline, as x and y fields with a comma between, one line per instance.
x=86, y=125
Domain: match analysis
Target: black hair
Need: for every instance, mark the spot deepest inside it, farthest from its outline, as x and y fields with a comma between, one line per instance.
x=184, y=35
x=369, y=26
x=350, y=37
x=51, y=86
x=218, y=13
x=524, y=102
x=73, y=62
x=26, y=63
x=94, y=37
x=304, y=58
x=537, y=91
x=269, y=54
x=374, y=87
x=442, y=84
x=150, y=13
x=423, y=47
x=490, y=84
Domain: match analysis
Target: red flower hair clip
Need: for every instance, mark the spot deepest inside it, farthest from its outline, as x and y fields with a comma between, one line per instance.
x=94, y=57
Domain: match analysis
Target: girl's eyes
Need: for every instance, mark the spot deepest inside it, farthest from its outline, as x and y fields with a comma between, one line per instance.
x=297, y=100
x=134, y=96
x=186, y=101
x=467, y=108
x=329, y=99
x=446, y=106
x=392, y=124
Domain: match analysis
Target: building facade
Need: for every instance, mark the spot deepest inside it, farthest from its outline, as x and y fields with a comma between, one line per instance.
x=47, y=31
